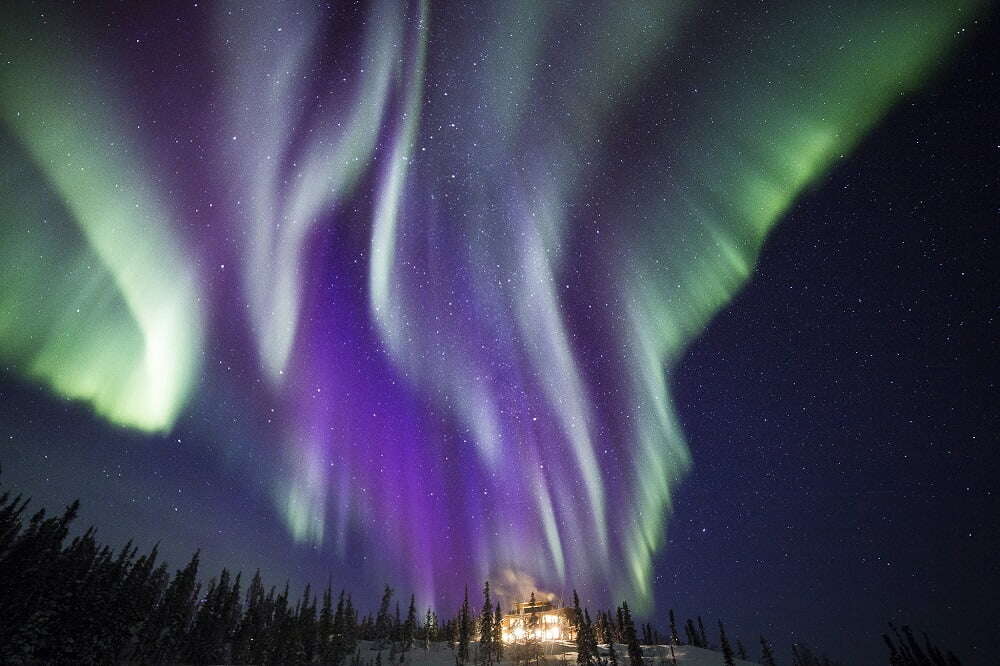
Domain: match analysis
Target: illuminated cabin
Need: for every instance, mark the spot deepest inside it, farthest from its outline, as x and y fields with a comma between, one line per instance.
x=550, y=623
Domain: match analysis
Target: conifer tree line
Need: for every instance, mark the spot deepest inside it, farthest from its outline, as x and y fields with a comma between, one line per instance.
x=905, y=650
x=82, y=602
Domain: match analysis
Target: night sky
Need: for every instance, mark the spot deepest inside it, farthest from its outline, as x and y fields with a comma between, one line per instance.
x=692, y=307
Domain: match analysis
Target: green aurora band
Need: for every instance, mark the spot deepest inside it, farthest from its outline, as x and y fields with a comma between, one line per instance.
x=100, y=300
x=796, y=115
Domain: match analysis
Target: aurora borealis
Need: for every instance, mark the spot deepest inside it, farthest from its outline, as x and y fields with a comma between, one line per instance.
x=419, y=274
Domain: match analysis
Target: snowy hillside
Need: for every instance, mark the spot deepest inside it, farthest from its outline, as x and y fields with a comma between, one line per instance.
x=441, y=655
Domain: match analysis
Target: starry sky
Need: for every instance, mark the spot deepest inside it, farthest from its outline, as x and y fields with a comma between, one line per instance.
x=684, y=305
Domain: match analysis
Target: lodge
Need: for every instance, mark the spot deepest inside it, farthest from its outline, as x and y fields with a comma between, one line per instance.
x=546, y=621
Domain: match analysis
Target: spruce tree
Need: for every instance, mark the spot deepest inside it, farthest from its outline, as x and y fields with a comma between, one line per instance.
x=591, y=637
x=350, y=627
x=232, y=611
x=895, y=657
x=69, y=606
x=27, y=576
x=583, y=653
x=308, y=626
x=612, y=654
x=142, y=587
x=600, y=632
x=631, y=640
x=464, y=630
x=702, y=636
x=741, y=651
x=766, y=653
x=397, y=627
x=167, y=626
x=691, y=633
x=109, y=624
x=206, y=639
x=383, y=621
x=251, y=625
x=486, y=627
x=410, y=626
x=324, y=626
x=531, y=633
x=498, y=633
x=674, y=638
x=803, y=656
x=915, y=648
x=280, y=639
x=728, y=658
x=338, y=641
x=937, y=657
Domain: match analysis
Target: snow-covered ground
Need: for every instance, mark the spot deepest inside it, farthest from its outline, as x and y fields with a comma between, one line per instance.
x=557, y=651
